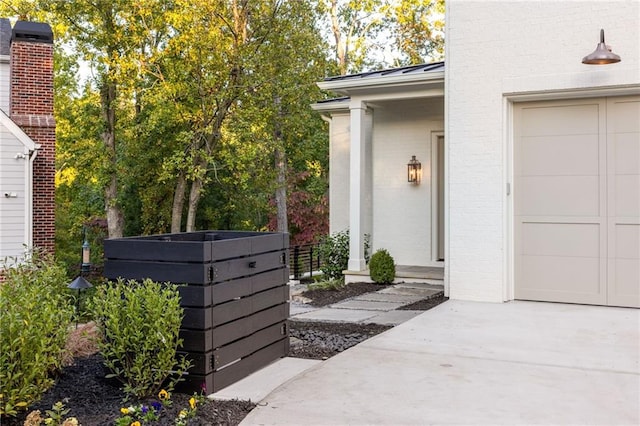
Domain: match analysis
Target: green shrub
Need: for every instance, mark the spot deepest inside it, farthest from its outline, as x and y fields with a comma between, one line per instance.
x=34, y=322
x=139, y=325
x=382, y=267
x=334, y=254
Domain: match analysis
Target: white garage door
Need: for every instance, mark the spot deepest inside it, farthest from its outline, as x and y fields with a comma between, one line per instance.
x=577, y=201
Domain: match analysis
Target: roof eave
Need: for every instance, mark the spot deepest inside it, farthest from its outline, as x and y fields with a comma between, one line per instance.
x=16, y=131
x=347, y=85
x=330, y=106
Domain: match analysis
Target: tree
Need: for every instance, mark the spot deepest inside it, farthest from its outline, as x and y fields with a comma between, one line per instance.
x=360, y=31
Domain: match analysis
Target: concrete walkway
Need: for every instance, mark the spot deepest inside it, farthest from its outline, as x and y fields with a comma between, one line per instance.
x=476, y=364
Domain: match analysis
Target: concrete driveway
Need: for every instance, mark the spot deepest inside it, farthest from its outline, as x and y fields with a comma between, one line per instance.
x=476, y=363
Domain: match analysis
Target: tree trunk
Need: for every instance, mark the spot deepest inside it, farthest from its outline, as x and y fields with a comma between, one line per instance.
x=281, y=189
x=178, y=204
x=115, y=218
x=341, y=48
x=194, y=198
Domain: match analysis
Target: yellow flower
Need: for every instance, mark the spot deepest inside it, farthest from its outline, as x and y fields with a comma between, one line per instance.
x=192, y=403
x=48, y=421
x=136, y=423
x=163, y=394
x=124, y=410
x=71, y=421
x=182, y=414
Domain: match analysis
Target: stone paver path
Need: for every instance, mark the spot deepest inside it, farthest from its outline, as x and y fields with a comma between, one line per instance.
x=378, y=307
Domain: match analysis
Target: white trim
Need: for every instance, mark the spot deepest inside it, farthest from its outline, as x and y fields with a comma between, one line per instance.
x=508, y=273
x=435, y=136
x=338, y=105
x=29, y=200
x=377, y=82
x=17, y=132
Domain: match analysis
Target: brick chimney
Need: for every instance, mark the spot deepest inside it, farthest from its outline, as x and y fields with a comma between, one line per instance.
x=31, y=108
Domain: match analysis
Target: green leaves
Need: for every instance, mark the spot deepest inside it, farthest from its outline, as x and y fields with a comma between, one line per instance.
x=36, y=314
x=139, y=324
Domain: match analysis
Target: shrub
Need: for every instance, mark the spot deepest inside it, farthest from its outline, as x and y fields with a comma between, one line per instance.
x=382, y=267
x=334, y=254
x=139, y=324
x=36, y=314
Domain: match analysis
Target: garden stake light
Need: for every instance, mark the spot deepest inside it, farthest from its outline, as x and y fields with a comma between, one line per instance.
x=80, y=283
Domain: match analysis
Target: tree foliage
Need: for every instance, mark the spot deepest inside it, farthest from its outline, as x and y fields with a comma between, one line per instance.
x=191, y=114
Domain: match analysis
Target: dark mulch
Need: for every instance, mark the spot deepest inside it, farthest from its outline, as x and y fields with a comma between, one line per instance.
x=322, y=340
x=424, y=304
x=96, y=401
x=320, y=297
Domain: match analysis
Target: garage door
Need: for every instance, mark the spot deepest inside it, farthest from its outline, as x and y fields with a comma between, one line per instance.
x=577, y=201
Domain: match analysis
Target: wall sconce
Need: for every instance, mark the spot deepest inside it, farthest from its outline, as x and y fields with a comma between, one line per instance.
x=602, y=55
x=413, y=170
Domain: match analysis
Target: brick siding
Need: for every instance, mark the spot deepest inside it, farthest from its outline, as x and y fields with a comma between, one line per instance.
x=31, y=107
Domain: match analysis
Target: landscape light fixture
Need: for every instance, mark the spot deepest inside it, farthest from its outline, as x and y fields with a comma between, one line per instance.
x=79, y=284
x=602, y=55
x=413, y=170
x=86, y=255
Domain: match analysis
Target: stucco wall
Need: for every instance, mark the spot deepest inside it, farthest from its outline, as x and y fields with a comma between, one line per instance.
x=339, y=172
x=402, y=211
x=498, y=48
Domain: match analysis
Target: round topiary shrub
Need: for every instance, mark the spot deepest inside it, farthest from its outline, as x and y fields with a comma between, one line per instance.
x=382, y=267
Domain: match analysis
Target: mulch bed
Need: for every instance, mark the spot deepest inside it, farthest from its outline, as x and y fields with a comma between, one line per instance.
x=322, y=340
x=424, y=304
x=321, y=297
x=96, y=401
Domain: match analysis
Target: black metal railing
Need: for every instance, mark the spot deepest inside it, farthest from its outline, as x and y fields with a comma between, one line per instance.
x=305, y=260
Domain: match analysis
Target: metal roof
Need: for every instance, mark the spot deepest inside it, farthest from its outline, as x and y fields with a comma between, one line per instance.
x=5, y=36
x=391, y=72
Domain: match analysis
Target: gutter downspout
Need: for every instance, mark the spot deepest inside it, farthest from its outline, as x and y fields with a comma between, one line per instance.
x=29, y=198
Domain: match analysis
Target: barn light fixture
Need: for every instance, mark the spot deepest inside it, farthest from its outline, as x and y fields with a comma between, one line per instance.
x=413, y=170
x=602, y=55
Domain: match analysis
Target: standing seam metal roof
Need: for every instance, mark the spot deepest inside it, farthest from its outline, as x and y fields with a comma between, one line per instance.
x=5, y=36
x=411, y=69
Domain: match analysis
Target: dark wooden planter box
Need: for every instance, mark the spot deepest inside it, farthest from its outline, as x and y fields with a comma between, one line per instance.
x=233, y=288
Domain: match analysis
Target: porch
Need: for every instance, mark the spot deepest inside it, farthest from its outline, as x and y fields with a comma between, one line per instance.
x=433, y=275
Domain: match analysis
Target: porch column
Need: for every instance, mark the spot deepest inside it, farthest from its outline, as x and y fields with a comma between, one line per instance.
x=357, y=186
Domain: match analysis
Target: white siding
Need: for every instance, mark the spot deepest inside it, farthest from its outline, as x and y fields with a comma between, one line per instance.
x=498, y=48
x=13, y=210
x=402, y=211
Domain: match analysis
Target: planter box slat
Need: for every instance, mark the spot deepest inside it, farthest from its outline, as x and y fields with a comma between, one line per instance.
x=233, y=289
x=205, y=363
x=245, y=306
x=228, y=290
x=196, y=296
x=245, y=326
x=220, y=379
x=178, y=273
x=248, y=365
x=247, y=266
